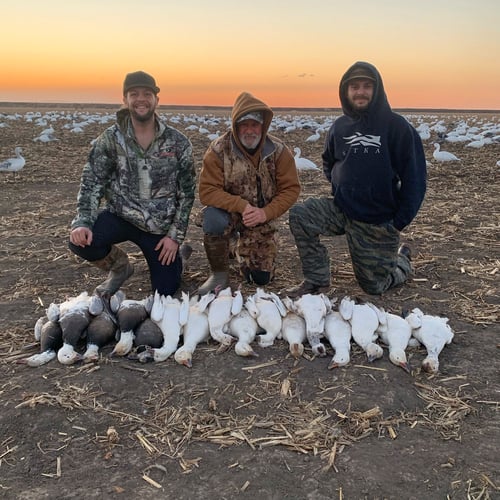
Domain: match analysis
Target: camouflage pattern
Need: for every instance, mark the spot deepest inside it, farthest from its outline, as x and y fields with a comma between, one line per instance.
x=153, y=189
x=373, y=247
x=257, y=185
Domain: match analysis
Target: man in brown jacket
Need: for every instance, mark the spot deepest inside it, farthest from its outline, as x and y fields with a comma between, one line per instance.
x=248, y=179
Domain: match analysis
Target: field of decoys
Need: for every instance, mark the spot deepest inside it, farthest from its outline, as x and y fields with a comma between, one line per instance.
x=303, y=394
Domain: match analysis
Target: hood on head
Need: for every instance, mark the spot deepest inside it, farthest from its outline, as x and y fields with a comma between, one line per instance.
x=358, y=70
x=246, y=103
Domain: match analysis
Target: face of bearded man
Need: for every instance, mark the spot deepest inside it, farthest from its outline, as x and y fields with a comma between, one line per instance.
x=249, y=133
x=141, y=102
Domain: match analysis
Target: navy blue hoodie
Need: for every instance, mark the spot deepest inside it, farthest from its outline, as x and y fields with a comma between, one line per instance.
x=375, y=160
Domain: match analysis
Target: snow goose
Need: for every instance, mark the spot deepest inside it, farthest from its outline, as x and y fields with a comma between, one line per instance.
x=395, y=333
x=314, y=137
x=303, y=163
x=433, y=332
x=293, y=329
x=338, y=333
x=364, y=319
x=220, y=313
x=268, y=310
x=13, y=164
x=130, y=314
x=74, y=318
x=196, y=329
x=439, y=155
x=49, y=333
x=175, y=316
x=313, y=308
x=244, y=327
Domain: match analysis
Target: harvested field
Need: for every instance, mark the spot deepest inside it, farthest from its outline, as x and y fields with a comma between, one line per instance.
x=271, y=426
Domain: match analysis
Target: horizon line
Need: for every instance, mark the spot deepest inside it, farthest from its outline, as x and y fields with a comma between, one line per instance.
x=224, y=107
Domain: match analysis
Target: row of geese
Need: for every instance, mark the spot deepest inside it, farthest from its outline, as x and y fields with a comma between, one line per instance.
x=158, y=326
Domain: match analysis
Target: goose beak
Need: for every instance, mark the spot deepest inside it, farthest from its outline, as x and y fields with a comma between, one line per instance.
x=406, y=367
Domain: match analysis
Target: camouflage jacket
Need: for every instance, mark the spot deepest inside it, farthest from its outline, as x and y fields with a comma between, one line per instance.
x=152, y=189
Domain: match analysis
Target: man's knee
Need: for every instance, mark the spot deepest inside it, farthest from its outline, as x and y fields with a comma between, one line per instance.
x=215, y=220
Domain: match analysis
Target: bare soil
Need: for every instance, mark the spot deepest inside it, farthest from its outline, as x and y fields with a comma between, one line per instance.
x=270, y=427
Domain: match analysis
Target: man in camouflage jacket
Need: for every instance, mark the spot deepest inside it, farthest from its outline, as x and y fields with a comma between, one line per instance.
x=144, y=172
x=248, y=179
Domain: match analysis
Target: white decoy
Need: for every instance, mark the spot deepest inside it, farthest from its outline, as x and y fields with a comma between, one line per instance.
x=293, y=329
x=49, y=334
x=74, y=318
x=395, y=333
x=433, y=332
x=196, y=329
x=175, y=316
x=439, y=155
x=220, y=313
x=364, y=319
x=13, y=164
x=130, y=314
x=338, y=333
x=244, y=327
x=314, y=137
x=303, y=163
x=313, y=308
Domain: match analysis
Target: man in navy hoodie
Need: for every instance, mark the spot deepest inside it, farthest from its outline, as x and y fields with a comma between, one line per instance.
x=375, y=162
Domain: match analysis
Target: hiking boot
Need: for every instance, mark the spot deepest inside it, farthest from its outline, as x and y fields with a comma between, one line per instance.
x=405, y=250
x=119, y=267
x=306, y=287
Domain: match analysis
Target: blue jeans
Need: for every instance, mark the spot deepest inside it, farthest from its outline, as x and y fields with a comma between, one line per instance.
x=110, y=229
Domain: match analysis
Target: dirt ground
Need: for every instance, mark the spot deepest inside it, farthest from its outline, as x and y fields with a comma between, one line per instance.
x=270, y=427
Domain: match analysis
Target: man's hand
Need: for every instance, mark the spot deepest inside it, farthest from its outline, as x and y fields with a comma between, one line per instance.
x=168, y=250
x=253, y=216
x=81, y=236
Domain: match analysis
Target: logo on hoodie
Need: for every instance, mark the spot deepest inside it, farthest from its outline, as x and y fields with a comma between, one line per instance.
x=359, y=139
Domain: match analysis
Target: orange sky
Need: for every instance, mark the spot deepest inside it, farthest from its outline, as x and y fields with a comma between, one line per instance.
x=431, y=53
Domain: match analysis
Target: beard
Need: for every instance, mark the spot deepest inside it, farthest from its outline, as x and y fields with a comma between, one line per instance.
x=250, y=141
x=144, y=117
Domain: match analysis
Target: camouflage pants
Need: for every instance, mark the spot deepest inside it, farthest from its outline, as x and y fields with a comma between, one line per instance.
x=255, y=248
x=373, y=247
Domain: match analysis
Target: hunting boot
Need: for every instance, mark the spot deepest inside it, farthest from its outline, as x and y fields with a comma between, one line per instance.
x=119, y=267
x=217, y=250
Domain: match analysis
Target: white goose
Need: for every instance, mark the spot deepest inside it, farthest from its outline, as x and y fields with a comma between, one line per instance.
x=268, y=310
x=434, y=333
x=13, y=164
x=396, y=333
x=196, y=329
x=303, y=163
x=439, y=155
x=364, y=319
x=222, y=308
x=314, y=308
x=338, y=333
x=293, y=329
x=175, y=316
x=244, y=327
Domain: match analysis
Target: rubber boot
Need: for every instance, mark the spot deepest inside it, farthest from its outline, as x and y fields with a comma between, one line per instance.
x=217, y=250
x=119, y=267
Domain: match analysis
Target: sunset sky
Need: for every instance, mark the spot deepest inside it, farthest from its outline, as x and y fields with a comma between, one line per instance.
x=431, y=53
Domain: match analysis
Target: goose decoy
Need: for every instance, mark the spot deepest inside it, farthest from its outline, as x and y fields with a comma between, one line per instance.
x=439, y=155
x=13, y=164
x=303, y=163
